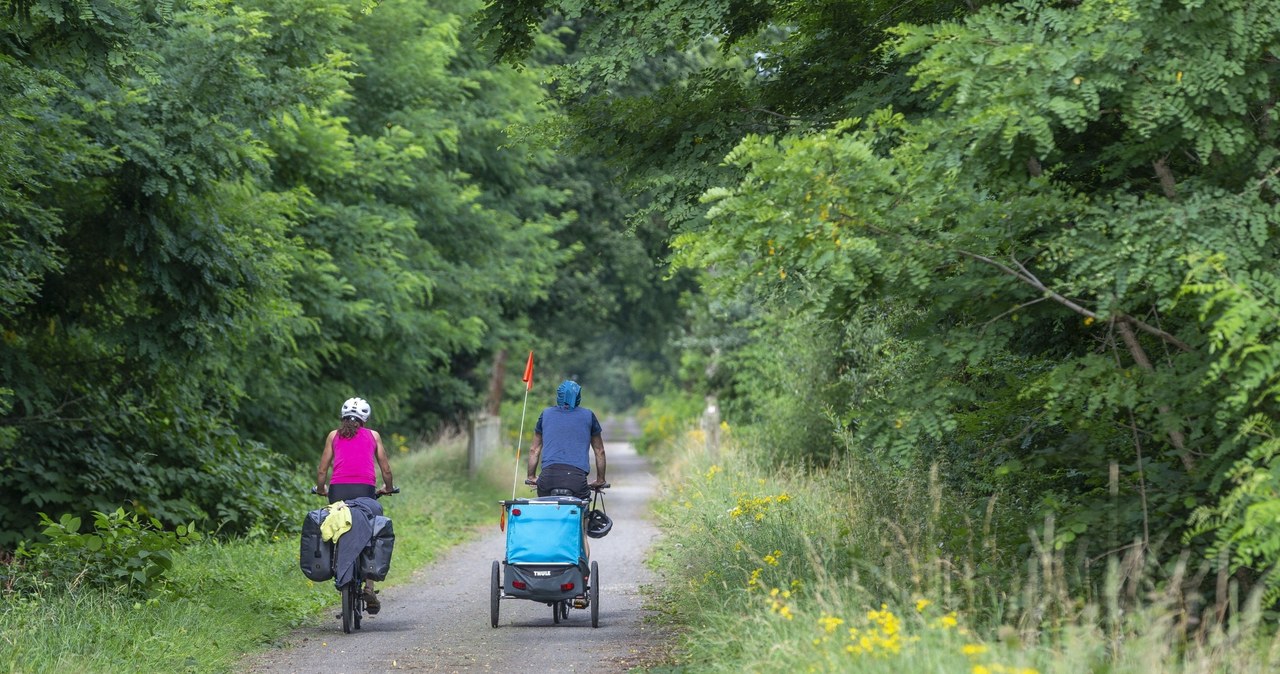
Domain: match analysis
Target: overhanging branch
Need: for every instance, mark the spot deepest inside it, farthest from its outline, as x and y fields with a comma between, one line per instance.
x=1023, y=274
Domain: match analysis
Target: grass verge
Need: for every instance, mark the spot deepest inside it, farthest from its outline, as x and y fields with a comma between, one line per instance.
x=226, y=599
x=851, y=570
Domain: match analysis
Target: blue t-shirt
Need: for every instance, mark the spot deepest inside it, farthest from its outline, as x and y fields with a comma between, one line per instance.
x=566, y=436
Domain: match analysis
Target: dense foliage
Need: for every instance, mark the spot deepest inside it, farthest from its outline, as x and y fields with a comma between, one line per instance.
x=220, y=219
x=1033, y=241
x=121, y=551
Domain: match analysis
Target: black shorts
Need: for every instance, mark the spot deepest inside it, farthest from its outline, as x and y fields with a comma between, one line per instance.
x=343, y=492
x=560, y=476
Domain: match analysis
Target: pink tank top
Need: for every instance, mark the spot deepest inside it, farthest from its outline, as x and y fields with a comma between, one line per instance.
x=353, y=458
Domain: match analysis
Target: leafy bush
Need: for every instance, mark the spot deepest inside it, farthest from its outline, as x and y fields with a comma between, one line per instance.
x=850, y=568
x=105, y=630
x=124, y=551
x=665, y=415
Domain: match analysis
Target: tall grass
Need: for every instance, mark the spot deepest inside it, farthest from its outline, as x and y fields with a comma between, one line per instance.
x=228, y=598
x=852, y=569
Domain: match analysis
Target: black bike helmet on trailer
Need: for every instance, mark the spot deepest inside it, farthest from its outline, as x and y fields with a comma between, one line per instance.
x=598, y=524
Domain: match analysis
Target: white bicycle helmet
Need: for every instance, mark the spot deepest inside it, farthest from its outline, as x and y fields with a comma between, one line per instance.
x=356, y=407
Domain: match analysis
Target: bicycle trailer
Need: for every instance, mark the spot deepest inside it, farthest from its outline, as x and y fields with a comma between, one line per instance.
x=545, y=556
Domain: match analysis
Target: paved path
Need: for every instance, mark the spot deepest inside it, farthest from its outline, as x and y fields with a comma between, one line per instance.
x=439, y=621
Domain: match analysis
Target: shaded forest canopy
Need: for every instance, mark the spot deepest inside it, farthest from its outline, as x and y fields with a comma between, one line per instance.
x=221, y=219
x=1034, y=242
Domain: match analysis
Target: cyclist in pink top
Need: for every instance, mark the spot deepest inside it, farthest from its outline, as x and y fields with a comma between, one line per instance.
x=351, y=449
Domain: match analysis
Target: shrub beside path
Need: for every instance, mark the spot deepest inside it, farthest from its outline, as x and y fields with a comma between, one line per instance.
x=438, y=621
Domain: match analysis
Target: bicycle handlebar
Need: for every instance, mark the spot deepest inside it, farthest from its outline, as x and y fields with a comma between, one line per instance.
x=376, y=494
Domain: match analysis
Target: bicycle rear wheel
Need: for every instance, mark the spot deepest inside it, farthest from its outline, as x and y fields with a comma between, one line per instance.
x=348, y=607
x=595, y=595
x=495, y=593
x=357, y=603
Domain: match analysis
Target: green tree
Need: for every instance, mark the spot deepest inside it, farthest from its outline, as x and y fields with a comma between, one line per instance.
x=244, y=214
x=1047, y=213
x=997, y=222
x=168, y=253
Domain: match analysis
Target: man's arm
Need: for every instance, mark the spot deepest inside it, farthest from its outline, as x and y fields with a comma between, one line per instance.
x=535, y=455
x=322, y=471
x=383, y=463
x=597, y=444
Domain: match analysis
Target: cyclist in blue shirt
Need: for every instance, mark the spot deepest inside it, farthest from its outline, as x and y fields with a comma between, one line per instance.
x=562, y=439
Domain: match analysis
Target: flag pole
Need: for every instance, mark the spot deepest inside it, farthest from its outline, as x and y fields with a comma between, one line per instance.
x=515, y=478
x=528, y=384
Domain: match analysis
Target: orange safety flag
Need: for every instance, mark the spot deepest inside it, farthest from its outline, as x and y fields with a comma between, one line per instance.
x=528, y=373
x=502, y=520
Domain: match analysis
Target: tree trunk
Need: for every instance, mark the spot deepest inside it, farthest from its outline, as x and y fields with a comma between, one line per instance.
x=494, y=402
x=1176, y=437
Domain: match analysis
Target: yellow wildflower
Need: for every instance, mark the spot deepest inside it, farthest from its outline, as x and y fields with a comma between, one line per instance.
x=778, y=605
x=922, y=604
x=829, y=623
x=973, y=649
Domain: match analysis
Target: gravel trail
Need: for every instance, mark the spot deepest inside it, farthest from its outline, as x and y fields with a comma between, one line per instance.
x=439, y=620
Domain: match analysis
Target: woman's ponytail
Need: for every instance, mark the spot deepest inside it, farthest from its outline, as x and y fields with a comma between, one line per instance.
x=350, y=426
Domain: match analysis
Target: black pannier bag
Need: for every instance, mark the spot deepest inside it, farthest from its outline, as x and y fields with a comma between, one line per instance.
x=316, y=554
x=375, y=560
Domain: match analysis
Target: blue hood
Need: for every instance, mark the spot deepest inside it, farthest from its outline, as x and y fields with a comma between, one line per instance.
x=569, y=395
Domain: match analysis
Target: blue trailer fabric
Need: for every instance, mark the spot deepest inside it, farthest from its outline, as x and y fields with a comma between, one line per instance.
x=544, y=531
